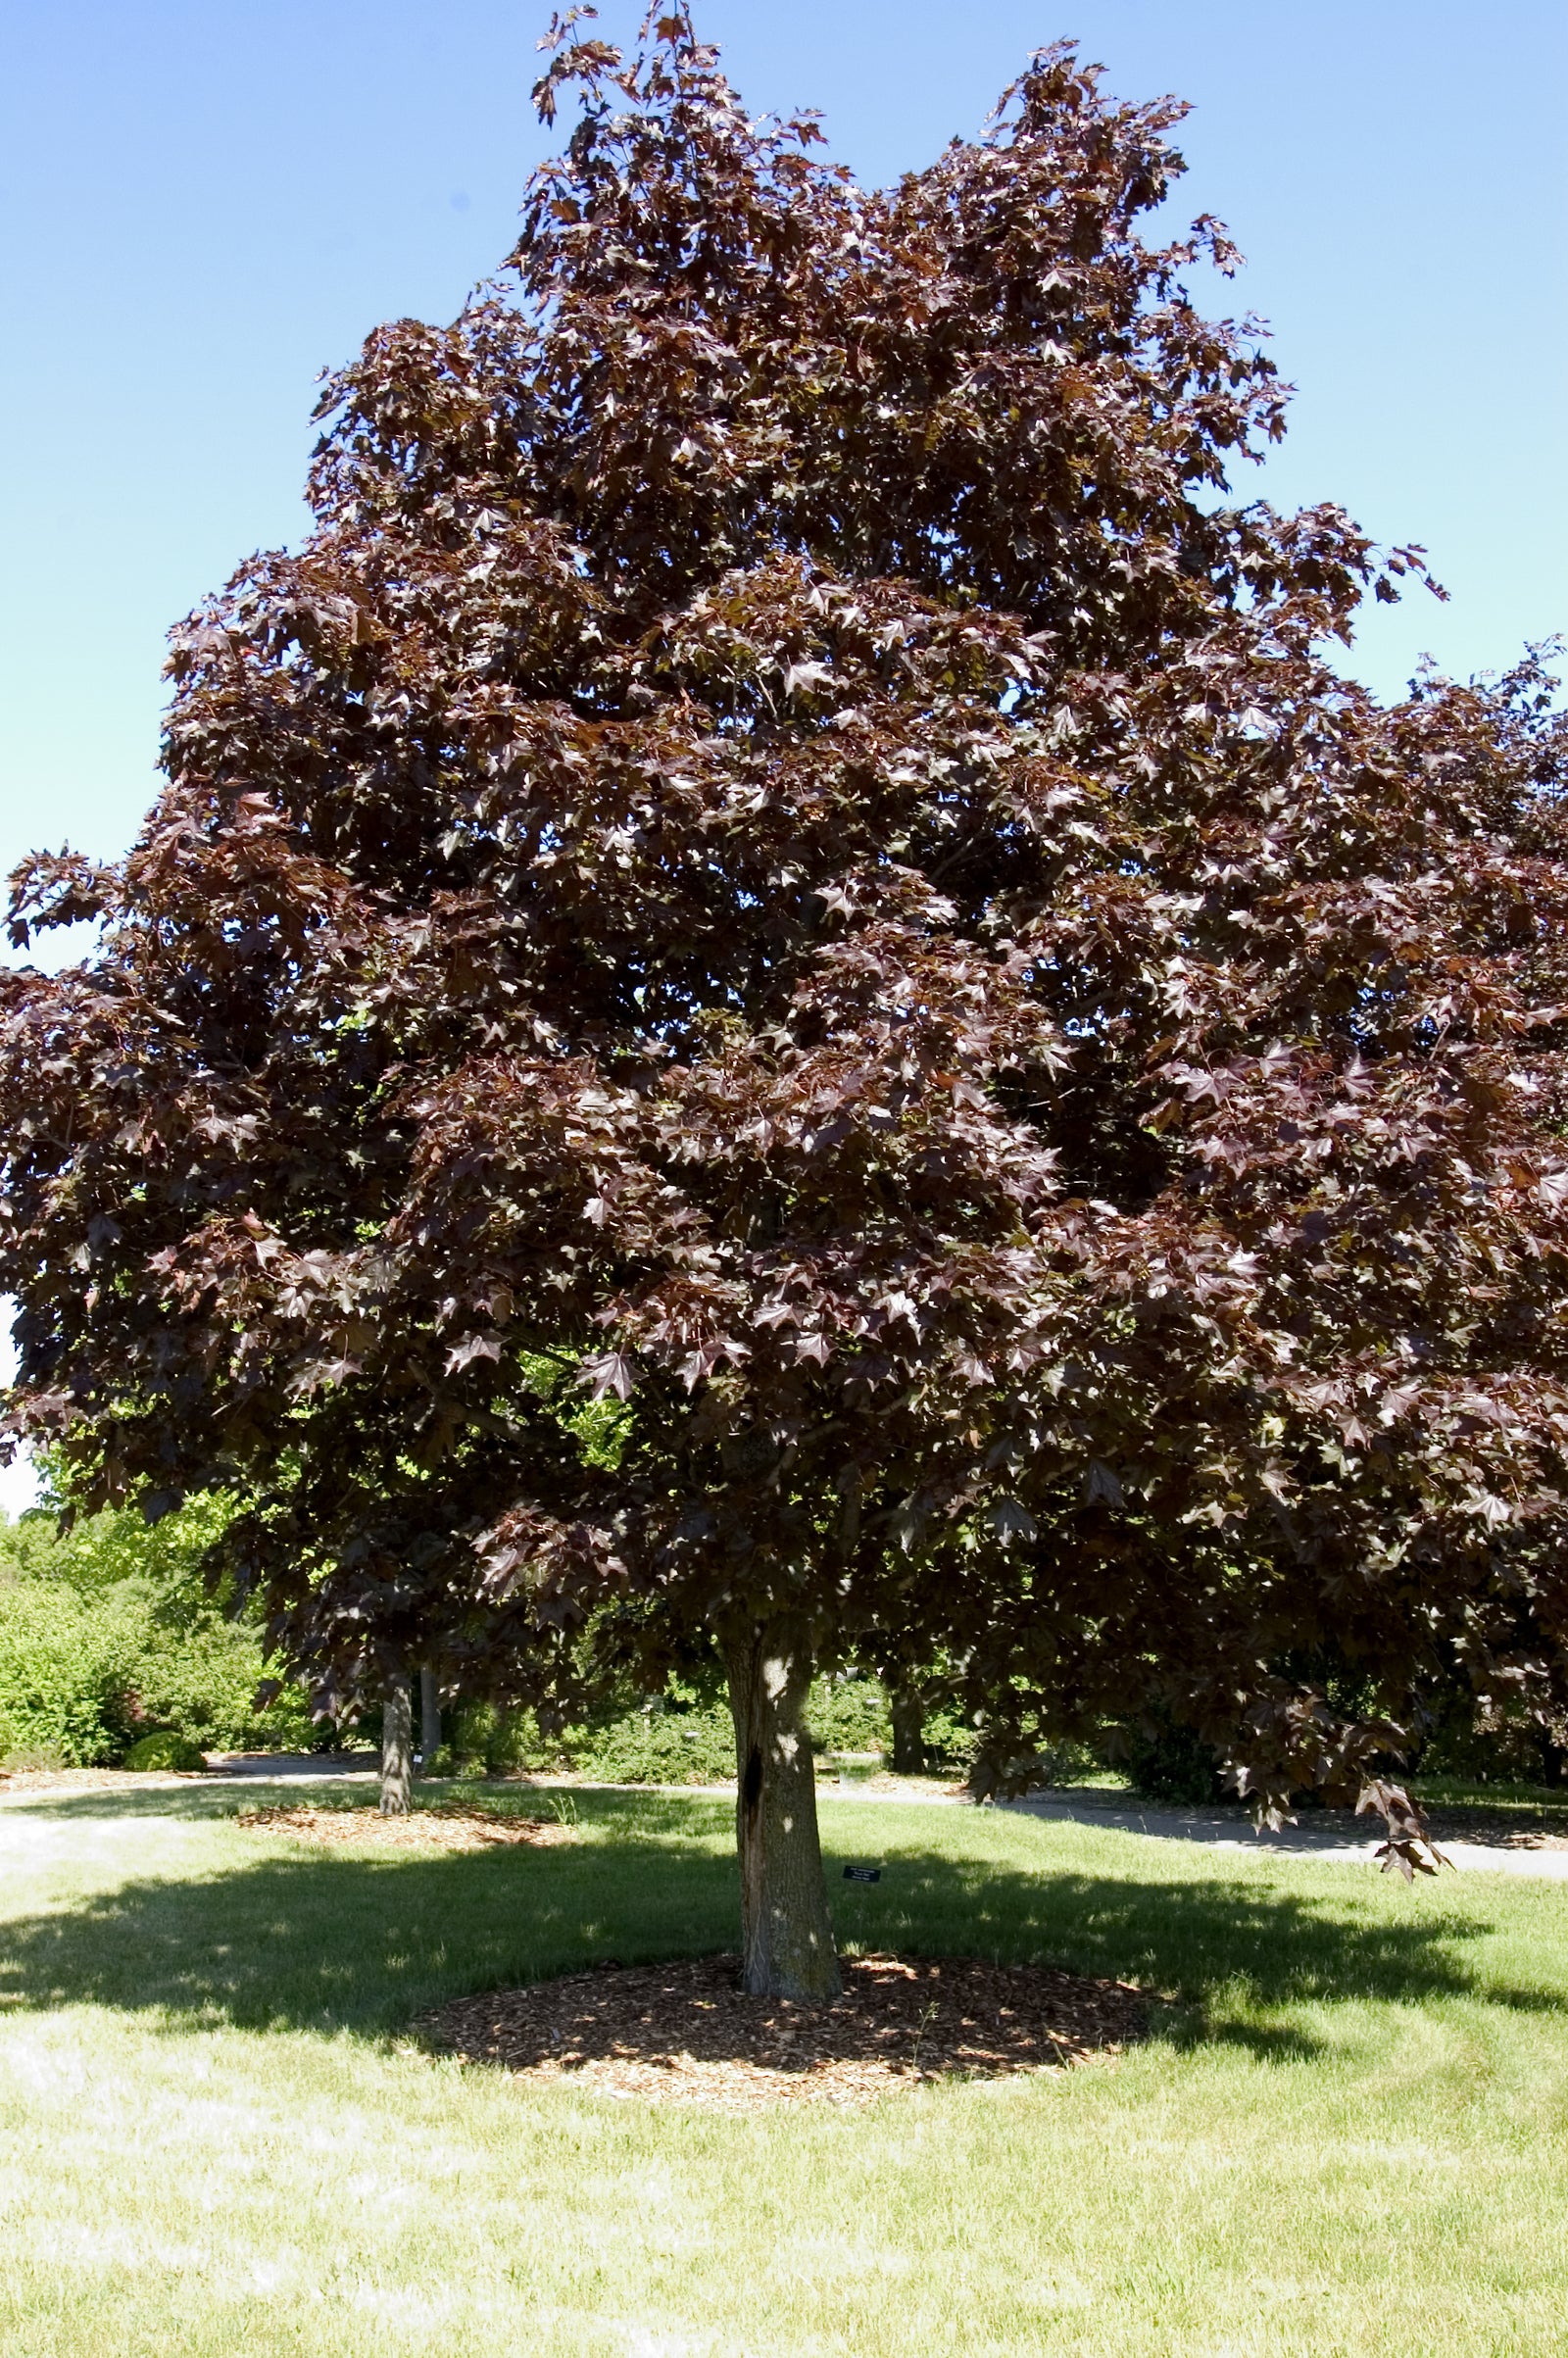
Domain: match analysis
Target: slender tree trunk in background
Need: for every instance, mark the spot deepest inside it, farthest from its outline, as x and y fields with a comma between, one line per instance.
x=908, y=1714
x=1553, y=1759
x=430, y=1718
x=396, y=1751
x=786, y=1930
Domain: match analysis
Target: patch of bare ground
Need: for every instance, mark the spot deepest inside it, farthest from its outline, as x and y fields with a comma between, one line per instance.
x=422, y=1830
x=686, y=2032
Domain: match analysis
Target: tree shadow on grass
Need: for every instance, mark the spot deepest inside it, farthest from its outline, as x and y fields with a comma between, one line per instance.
x=328, y=1940
x=662, y=1810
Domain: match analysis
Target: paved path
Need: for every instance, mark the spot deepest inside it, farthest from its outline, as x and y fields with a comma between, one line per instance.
x=1225, y=1830
x=1228, y=1830
x=273, y=1768
x=1221, y=1830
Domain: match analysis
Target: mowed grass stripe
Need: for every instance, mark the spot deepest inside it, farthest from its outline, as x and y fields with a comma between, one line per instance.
x=1348, y=2132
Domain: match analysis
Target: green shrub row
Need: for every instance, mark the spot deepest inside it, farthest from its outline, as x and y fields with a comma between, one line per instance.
x=682, y=1737
x=108, y=1636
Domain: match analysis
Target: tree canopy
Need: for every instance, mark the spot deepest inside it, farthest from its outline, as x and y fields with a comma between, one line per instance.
x=788, y=850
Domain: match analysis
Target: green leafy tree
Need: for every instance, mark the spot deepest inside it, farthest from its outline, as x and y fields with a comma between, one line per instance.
x=108, y=1631
x=788, y=845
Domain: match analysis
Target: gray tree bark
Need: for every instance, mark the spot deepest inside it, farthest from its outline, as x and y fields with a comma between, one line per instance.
x=908, y=1714
x=396, y=1751
x=429, y=1717
x=786, y=1930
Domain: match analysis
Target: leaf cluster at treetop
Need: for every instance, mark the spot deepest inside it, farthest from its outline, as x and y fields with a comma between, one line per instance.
x=787, y=848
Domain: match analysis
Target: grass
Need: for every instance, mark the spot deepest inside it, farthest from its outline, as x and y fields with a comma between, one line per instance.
x=1349, y=2134
x=860, y=1768
x=1542, y=1802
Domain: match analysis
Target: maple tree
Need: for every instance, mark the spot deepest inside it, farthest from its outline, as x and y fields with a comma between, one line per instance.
x=787, y=856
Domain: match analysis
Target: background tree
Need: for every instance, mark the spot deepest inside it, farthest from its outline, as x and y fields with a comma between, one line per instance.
x=787, y=850
x=108, y=1636
x=429, y=1716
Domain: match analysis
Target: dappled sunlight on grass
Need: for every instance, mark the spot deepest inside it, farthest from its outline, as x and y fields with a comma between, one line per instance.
x=1346, y=2133
x=258, y=1929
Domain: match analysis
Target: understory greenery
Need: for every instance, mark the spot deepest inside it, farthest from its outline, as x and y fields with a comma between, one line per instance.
x=108, y=1636
x=686, y=1734
x=175, y=1986
x=1496, y=1743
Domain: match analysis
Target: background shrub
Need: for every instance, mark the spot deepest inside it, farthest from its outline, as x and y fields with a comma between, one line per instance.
x=67, y=1674
x=109, y=1633
x=165, y=1750
x=1169, y=1763
x=682, y=1737
x=675, y=1739
x=846, y=1713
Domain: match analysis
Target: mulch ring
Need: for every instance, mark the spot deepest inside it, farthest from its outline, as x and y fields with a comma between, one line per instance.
x=435, y=1829
x=686, y=2034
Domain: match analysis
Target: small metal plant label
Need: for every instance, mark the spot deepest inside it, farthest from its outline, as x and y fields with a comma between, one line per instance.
x=862, y=1875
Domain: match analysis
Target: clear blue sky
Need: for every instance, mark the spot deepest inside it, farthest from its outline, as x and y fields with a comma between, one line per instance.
x=206, y=203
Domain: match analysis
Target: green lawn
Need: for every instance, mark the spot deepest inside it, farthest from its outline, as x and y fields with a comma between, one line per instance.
x=1348, y=2133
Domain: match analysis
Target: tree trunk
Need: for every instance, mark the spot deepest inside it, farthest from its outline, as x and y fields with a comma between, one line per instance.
x=430, y=1718
x=786, y=1930
x=396, y=1751
x=908, y=1714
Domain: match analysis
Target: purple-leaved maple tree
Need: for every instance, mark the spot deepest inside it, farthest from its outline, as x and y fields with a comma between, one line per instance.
x=786, y=853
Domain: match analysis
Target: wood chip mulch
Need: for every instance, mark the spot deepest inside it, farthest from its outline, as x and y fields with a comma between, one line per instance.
x=686, y=2034
x=422, y=1830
